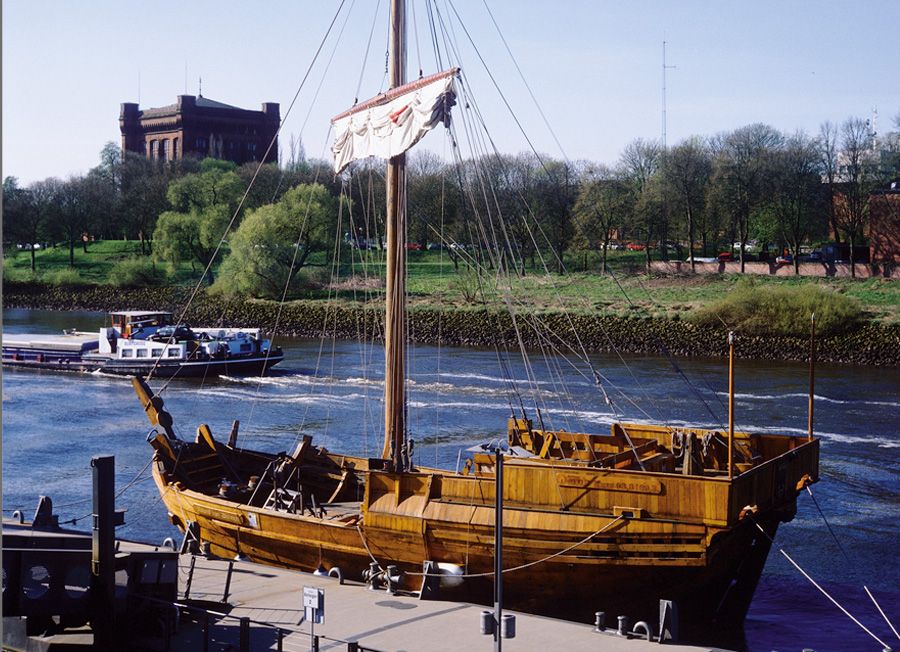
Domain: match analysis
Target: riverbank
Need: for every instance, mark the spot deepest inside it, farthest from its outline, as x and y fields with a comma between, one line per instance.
x=869, y=344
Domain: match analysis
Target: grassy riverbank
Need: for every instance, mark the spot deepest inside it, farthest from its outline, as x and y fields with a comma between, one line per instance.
x=634, y=331
x=434, y=280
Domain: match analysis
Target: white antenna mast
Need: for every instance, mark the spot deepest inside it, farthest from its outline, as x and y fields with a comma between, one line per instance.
x=874, y=128
x=664, y=68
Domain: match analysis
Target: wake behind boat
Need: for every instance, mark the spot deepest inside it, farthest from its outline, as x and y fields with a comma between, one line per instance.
x=139, y=341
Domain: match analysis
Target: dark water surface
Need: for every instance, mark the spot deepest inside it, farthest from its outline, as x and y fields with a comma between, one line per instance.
x=53, y=423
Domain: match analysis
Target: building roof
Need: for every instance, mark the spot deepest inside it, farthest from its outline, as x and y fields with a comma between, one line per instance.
x=202, y=102
x=207, y=103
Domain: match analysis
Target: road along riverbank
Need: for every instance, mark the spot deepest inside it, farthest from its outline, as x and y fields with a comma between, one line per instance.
x=868, y=344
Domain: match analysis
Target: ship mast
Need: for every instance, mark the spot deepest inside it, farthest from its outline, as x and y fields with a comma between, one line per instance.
x=395, y=323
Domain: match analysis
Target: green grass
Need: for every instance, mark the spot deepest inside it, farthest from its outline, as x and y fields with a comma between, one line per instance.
x=434, y=280
x=102, y=264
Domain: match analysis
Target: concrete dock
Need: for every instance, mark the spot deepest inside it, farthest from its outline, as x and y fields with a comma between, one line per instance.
x=272, y=598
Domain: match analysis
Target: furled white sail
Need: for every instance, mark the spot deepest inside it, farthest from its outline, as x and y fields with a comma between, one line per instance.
x=389, y=124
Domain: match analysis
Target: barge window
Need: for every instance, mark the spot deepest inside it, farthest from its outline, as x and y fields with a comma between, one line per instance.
x=156, y=353
x=141, y=353
x=127, y=353
x=174, y=353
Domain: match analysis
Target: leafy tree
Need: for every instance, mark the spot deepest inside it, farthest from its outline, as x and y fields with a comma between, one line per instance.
x=828, y=160
x=192, y=237
x=204, y=203
x=23, y=221
x=858, y=171
x=797, y=194
x=366, y=189
x=275, y=241
x=640, y=162
x=603, y=202
x=217, y=184
x=74, y=210
x=142, y=196
x=743, y=175
x=686, y=170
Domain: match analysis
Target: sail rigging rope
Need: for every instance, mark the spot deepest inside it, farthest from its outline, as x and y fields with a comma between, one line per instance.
x=366, y=55
x=849, y=561
x=819, y=587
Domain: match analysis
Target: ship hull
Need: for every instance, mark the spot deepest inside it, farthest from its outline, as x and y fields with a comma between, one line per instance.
x=54, y=361
x=712, y=584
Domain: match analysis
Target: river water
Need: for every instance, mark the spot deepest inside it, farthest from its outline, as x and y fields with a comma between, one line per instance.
x=53, y=423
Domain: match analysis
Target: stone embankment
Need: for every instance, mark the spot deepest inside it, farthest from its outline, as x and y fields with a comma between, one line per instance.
x=870, y=344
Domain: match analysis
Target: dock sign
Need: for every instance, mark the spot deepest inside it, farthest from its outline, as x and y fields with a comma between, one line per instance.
x=314, y=604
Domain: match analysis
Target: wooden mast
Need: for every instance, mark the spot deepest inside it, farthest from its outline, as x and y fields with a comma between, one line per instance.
x=395, y=292
x=812, y=375
x=730, y=405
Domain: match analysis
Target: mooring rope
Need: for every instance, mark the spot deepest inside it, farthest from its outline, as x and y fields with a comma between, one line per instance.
x=847, y=557
x=505, y=570
x=821, y=590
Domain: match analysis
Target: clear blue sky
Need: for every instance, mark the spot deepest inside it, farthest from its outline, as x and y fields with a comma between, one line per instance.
x=594, y=65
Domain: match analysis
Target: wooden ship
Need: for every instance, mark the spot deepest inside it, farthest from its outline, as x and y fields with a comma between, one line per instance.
x=611, y=521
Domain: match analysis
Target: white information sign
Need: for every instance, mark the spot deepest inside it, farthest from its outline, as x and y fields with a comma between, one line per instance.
x=314, y=604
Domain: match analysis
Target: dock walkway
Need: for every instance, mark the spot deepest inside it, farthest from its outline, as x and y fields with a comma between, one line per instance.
x=377, y=620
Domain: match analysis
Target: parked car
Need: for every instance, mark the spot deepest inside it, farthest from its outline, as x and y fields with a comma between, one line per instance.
x=413, y=246
x=786, y=258
x=634, y=246
x=725, y=257
x=617, y=246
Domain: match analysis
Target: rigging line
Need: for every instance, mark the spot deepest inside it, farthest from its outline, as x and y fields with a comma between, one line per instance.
x=304, y=225
x=366, y=55
x=525, y=81
x=702, y=376
x=416, y=36
x=670, y=357
x=550, y=176
x=434, y=38
x=591, y=379
x=821, y=590
x=362, y=332
x=480, y=176
x=337, y=42
x=497, y=87
x=849, y=561
x=259, y=167
x=291, y=273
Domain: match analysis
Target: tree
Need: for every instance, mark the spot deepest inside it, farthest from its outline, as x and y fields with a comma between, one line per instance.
x=640, y=162
x=73, y=218
x=430, y=206
x=743, y=175
x=142, y=197
x=858, y=169
x=217, y=184
x=687, y=169
x=603, y=202
x=204, y=204
x=797, y=195
x=828, y=159
x=274, y=242
x=23, y=219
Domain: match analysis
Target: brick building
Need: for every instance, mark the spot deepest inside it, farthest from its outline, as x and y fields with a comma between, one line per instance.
x=884, y=226
x=200, y=127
